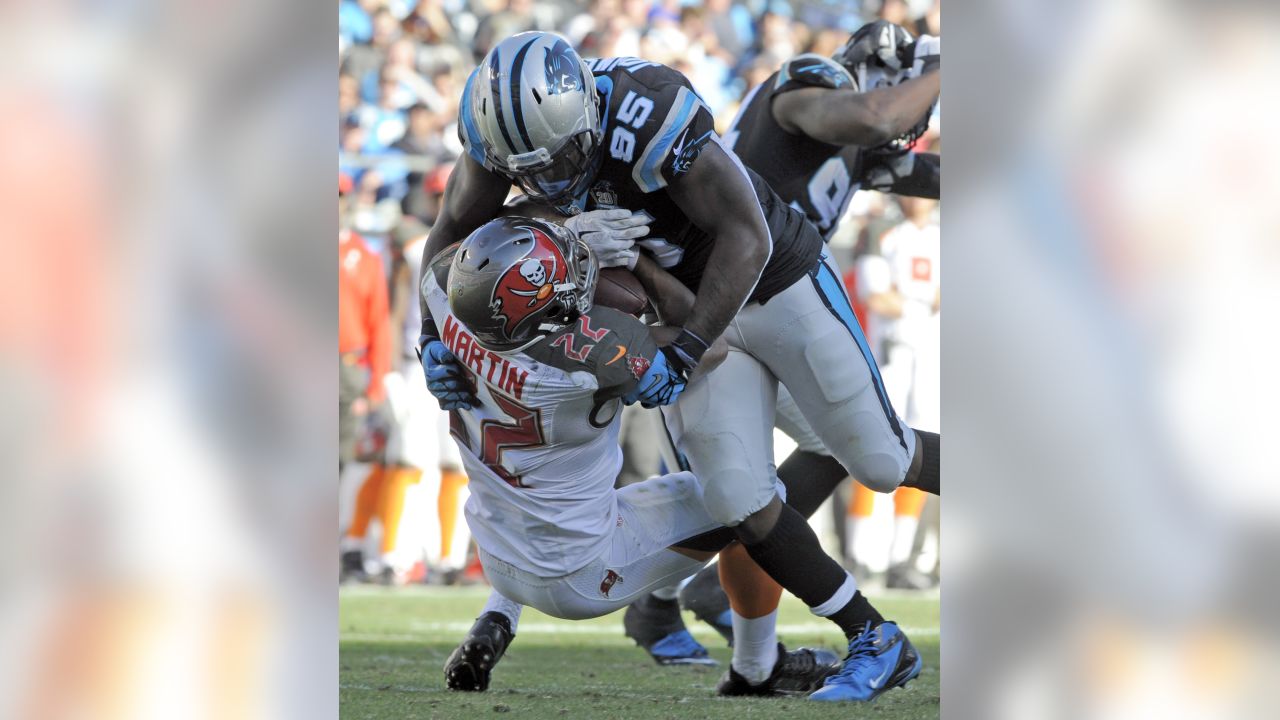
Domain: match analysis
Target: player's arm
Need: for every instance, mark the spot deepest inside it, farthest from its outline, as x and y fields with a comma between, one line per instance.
x=912, y=174
x=718, y=197
x=472, y=197
x=846, y=116
x=669, y=296
x=619, y=351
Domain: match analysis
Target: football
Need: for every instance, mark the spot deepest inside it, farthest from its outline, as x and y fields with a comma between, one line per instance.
x=619, y=289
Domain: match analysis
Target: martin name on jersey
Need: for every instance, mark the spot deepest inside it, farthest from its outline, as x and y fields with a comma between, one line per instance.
x=541, y=449
x=654, y=127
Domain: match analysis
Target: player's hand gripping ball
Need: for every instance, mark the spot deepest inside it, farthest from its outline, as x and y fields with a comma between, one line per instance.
x=611, y=234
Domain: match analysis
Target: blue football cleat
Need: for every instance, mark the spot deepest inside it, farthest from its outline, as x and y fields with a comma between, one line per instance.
x=880, y=657
x=656, y=626
x=679, y=648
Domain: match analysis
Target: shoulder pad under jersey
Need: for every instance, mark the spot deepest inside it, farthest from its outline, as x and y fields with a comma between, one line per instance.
x=810, y=70
x=439, y=267
x=656, y=124
x=611, y=345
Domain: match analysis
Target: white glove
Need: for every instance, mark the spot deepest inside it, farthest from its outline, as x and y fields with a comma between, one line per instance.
x=611, y=234
x=928, y=54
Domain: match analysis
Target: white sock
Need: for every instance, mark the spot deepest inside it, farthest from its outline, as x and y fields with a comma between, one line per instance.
x=500, y=604
x=904, y=537
x=755, y=646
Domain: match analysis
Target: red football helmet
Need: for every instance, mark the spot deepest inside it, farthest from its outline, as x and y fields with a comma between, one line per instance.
x=516, y=279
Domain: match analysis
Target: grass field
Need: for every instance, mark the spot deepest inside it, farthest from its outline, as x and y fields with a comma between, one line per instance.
x=393, y=644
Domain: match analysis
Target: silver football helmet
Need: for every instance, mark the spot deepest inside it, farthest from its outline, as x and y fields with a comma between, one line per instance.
x=516, y=278
x=537, y=112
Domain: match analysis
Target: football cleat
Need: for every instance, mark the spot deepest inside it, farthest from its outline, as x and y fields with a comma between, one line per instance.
x=469, y=666
x=704, y=597
x=796, y=673
x=880, y=657
x=657, y=627
x=905, y=577
x=352, y=568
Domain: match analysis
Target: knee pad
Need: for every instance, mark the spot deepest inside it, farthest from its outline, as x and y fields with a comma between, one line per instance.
x=871, y=452
x=880, y=472
x=729, y=498
x=731, y=487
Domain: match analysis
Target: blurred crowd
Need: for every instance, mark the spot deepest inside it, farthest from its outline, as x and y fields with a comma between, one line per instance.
x=402, y=67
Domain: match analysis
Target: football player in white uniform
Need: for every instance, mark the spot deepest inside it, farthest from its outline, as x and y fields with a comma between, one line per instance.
x=550, y=372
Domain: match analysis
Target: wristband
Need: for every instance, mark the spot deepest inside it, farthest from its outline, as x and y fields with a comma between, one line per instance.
x=688, y=349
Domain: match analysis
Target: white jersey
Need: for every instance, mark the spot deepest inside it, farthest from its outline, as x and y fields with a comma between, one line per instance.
x=542, y=473
x=914, y=255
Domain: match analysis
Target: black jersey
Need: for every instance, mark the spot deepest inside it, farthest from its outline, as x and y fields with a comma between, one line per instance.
x=655, y=126
x=817, y=178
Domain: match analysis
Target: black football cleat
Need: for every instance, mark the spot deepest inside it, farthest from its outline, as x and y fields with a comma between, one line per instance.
x=796, y=673
x=905, y=577
x=469, y=666
x=352, y=570
x=704, y=597
x=657, y=627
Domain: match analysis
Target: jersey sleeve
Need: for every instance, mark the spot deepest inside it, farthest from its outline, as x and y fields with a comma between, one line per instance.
x=612, y=346
x=670, y=122
x=810, y=70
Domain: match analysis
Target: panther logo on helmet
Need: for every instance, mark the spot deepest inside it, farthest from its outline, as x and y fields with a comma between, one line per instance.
x=531, y=283
x=564, y=73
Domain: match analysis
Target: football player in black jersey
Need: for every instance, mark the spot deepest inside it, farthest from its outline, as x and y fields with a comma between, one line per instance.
x=821, y=128
x=624, y=132
x=818, y=130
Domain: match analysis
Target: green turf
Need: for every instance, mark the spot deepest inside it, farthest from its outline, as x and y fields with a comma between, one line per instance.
x=393, y=644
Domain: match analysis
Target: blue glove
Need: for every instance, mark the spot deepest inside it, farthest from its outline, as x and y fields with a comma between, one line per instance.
x=446, y=379
x=661, y=384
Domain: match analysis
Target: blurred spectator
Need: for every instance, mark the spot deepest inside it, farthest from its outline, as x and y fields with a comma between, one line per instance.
x=434, y=35
x=895, y=11
x=596, y=17
x=348, y=95
x=410, y=87
x=424, y=141
x=383, y=120
x=354, y=22
x=518, y=17
x=363, y=59
x=364, y=334
x=731, y=25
